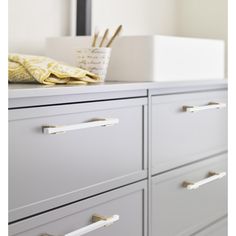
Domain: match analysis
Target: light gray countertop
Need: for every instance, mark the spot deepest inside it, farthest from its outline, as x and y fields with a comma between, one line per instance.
x=37, y=90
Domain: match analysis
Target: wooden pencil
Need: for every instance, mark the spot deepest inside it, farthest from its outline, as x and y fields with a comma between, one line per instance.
x=95, y=36
x=114, y=36
x=104, y=37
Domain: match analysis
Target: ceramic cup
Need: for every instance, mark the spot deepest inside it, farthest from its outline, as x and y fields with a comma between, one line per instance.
x=94, y=59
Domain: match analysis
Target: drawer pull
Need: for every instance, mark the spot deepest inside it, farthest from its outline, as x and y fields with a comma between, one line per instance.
x=98, y=222
x=85, y=125
x=210, y=105
x=212, y=177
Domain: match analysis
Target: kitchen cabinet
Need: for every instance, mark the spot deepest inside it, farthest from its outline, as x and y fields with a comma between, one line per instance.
x=143, y=159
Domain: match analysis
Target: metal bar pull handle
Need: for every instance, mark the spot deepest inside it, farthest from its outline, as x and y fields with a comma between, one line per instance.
x=85, y=125
x=98, y=222
x=209, y=106
x=212, y=177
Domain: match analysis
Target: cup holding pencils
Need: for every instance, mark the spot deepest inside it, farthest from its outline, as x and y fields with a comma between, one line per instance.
x=96, y=58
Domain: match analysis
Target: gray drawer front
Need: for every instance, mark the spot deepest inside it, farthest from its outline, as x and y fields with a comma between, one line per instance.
x=220, y=228
x=127, y=202
x=180, y=137
x=179, y=211
x=47, y=171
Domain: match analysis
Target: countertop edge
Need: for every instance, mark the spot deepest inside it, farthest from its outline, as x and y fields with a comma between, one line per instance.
x=34, y=90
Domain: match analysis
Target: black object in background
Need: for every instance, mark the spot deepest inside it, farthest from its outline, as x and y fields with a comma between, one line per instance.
x=83, y=17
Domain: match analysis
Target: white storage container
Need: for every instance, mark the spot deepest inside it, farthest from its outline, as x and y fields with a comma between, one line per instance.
x=151, y=58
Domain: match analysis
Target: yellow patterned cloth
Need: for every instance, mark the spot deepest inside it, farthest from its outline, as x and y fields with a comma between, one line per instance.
x=31, y=69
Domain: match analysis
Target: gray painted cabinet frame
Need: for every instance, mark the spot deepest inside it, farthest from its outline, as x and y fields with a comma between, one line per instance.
x=136, y=93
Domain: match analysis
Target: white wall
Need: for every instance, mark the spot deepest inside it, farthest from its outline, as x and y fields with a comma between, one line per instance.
x=31, y=21
x=194, y=18
x=204, y=19
x=138, y=17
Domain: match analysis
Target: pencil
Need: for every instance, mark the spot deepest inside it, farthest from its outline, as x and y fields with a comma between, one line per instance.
x=114, y=36
x=104, y=37
x=95, y=38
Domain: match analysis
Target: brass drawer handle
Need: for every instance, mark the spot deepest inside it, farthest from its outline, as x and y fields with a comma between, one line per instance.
x=97, y=222
x=212, y=177
x=209, y=106
x=104, y=122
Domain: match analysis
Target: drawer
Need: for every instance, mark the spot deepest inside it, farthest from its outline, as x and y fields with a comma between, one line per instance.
x=219, y=228
x=179, y=207
x=187, y=127
x=104, y=147
x=124, y=209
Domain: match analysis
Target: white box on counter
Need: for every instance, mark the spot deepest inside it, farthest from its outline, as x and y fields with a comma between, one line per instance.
x=151, y=58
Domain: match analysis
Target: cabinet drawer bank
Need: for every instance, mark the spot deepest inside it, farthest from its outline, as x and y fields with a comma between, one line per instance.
x=123, y=209
x=133, y=157
x=60, y=154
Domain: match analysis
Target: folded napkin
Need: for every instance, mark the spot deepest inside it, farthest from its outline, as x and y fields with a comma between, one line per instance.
x=44, y=70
